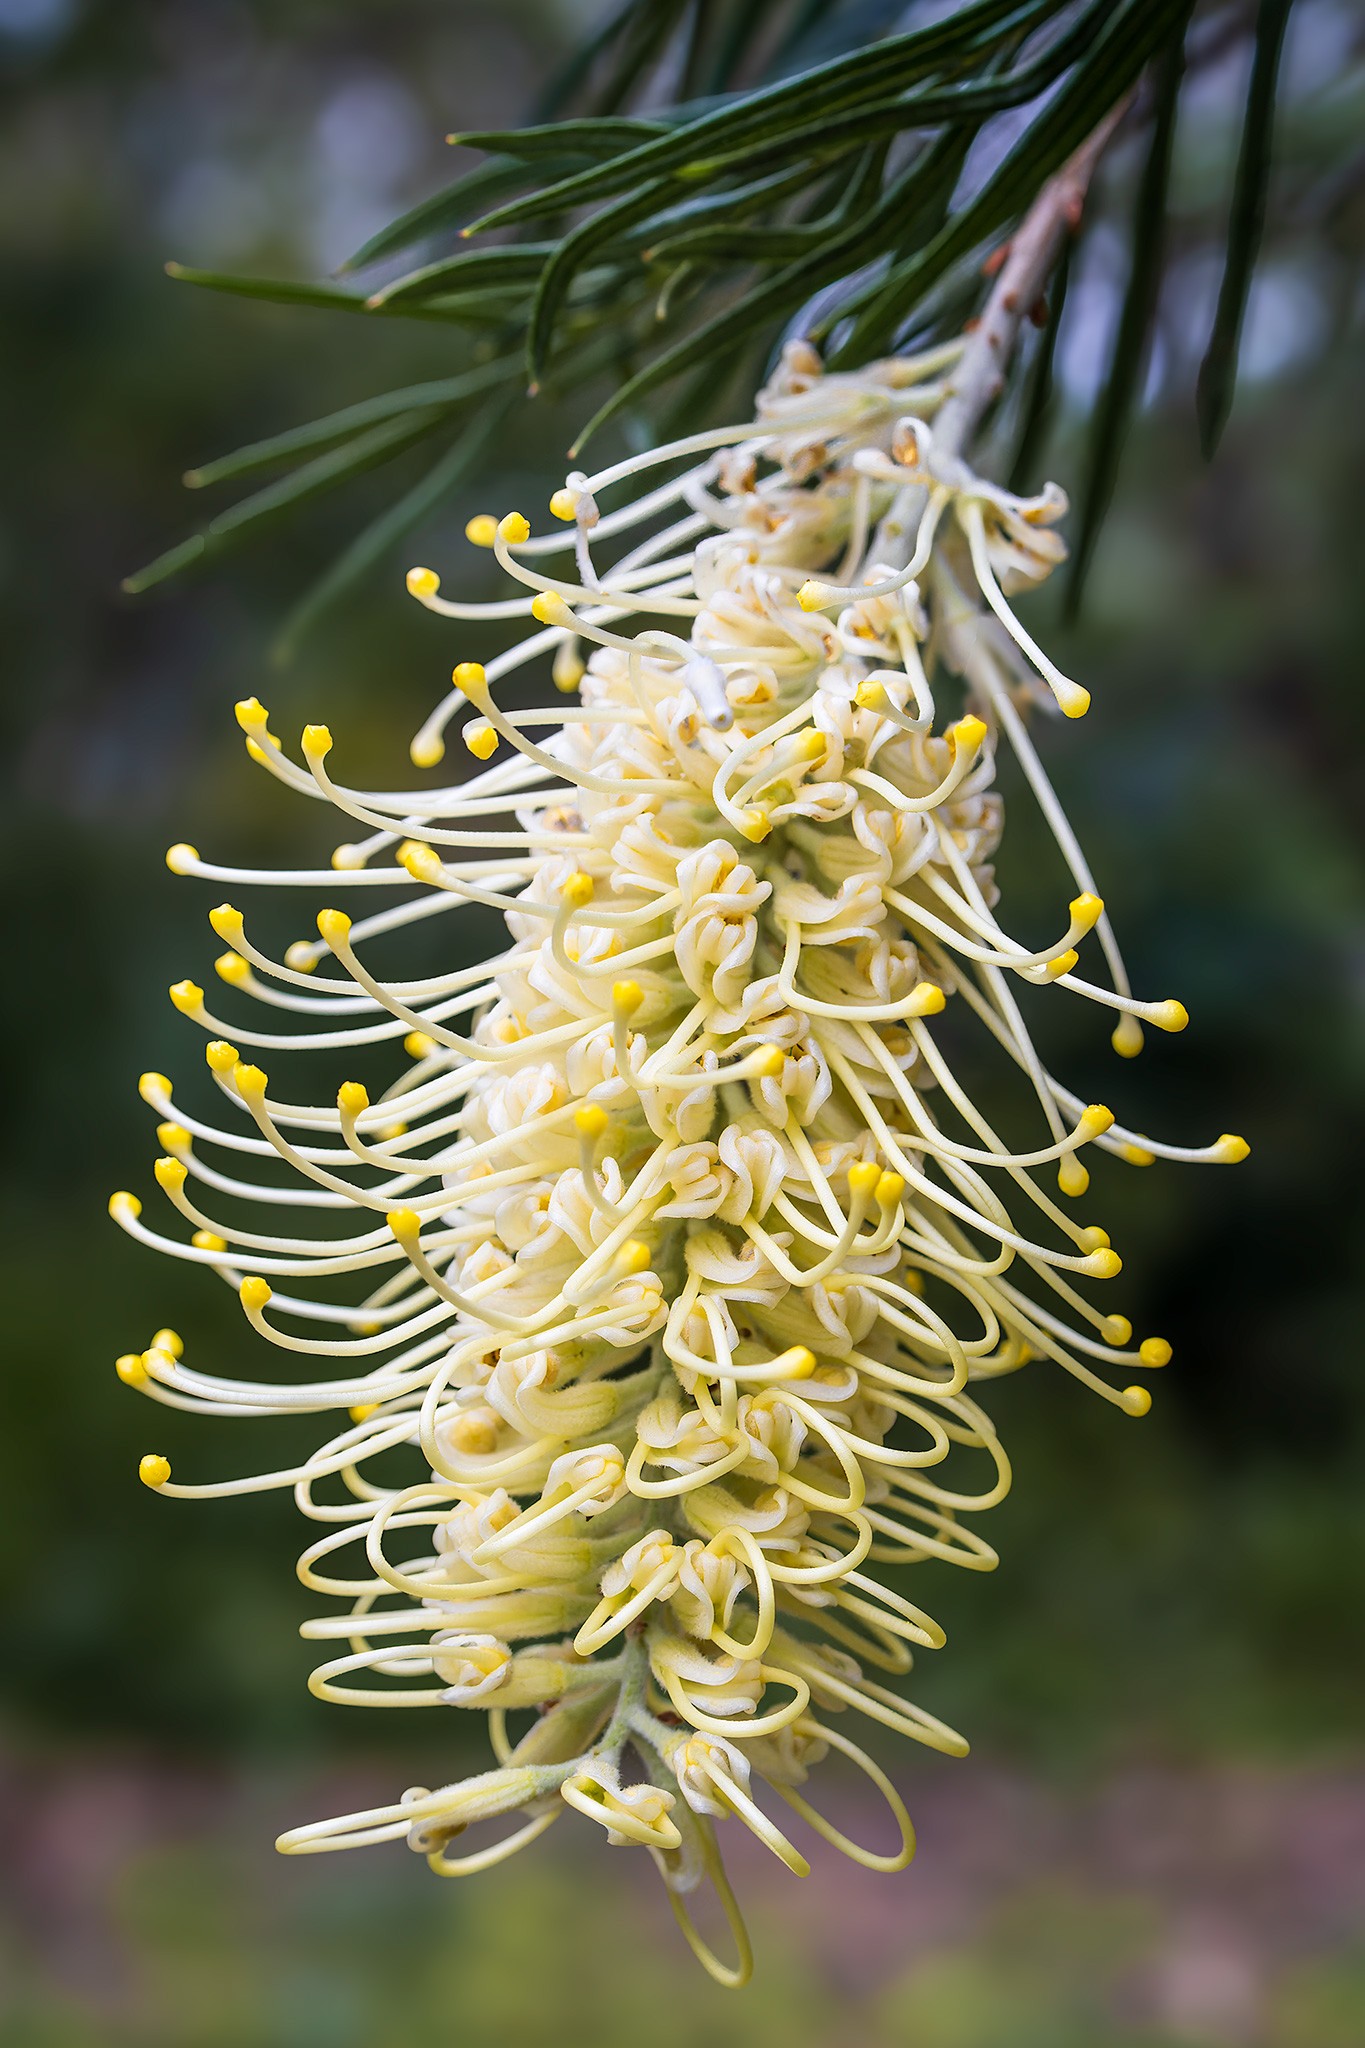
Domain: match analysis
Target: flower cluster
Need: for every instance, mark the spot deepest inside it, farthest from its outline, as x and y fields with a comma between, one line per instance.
x=667, y=1267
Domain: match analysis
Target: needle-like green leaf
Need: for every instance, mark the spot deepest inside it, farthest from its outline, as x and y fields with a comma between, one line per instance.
x=1218, y=371
x=1129, y=358
x=375, y=540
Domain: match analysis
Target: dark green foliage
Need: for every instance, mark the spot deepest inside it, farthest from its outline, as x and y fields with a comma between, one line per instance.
x=747, y=194
x=1122, y=386
x=1218, y=372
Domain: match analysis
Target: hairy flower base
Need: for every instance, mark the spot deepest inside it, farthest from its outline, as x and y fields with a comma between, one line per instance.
x=668, y=1263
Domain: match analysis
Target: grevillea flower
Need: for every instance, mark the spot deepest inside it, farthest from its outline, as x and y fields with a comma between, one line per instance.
x=653, y=1296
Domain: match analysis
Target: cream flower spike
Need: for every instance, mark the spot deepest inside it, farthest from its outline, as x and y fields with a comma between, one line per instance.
x=650, y=1302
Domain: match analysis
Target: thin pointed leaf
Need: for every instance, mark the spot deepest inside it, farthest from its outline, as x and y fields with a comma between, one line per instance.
x=595, y=140
x=182, y=556
x=505, y=308
x=389, y=528
x=929, y=109
x=278, y=291
x=647, y=31
x=569, y=257
x=567, y=80
x=785, y=293
x=766, y=243
x=1218, y=372
x=517, y=263
x=453, y=205
x=713, y=207
x=1122, y=386
x=745, y=22
x=283, y=292
x=1123, y=46
x=351, y=419
x=364, y=452
x=834, y=87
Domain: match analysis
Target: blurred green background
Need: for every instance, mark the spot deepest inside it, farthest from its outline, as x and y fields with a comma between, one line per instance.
x=1160, y=1838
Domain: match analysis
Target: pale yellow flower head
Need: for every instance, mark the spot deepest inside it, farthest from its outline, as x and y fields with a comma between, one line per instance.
x=649, y=1270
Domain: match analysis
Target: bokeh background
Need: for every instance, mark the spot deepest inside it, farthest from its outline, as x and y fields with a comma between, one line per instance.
x=1160, y=1838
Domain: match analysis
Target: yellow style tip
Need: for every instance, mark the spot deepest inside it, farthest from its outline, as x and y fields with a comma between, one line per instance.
x=578, y=891
x=566, y=670
x=1154, y=1351
x=173, y=1138
x=153, y=1088
x=188, y=997
x=208, y=1241
x=481, y=739
x=564, y=504
x=591, y=1121
x=227, y=923
x=633, y=1257
x=1136, y=1400
x=1231, y=1150
x=1087, y=909
x=170, y=1175
x=929, y=1000
x=221, y=1056
x=627, y=997
x=1126, y=1037
x=363, y=1410
x=334, y=926
x=420, y=861
x=869, y=696
x=1095, y=1119
x=422, y=582
x=131, y=1369
x=418, y=1046
x=426, y=750
x=470, y=677
x=300, y=957
x=1072, y=1177
x=1117, y=1330
x=249, y=1081
x=889, y=1190
x=317, y=742
x=169, y=1341
x=123, y=1206
x=182, y=858
x=1104, y=1263
x=549, y=609
x=1073, y=697
x=154, y=1470
x=254, y=1292
x=232, y=968
x=352, y=1098
x=770, y=1062
x=251, y=714
x=863, y=1176
x=968, y=733
x=482, y=530
x=1169, y=1016
x=404, y=1223
x=513, y=530
x=812, y=596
